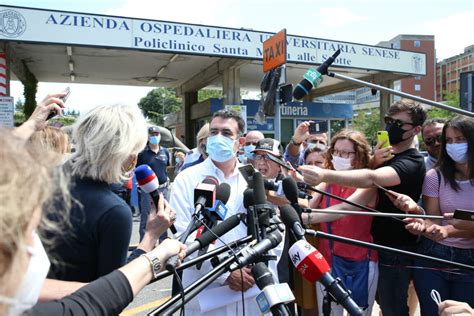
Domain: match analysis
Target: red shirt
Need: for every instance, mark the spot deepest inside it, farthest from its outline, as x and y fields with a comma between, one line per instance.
x=350, y=226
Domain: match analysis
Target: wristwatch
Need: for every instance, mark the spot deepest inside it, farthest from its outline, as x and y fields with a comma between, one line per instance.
x=154, y=262
x=292, y=141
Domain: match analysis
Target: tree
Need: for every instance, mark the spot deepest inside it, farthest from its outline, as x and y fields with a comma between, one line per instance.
x=452, y=99
x=368, y=122
x=159, y=102
x=205, y=94
x=19, y=105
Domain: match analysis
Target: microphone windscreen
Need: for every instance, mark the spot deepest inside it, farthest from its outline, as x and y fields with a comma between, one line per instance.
x=146, y=178
x=308, y=261
x=290, y=188
x=223, y=192
x=248, y=198
x=259, y=195
x=302, y=89
x=262, y=275
x=288, y=215
x=211, y=180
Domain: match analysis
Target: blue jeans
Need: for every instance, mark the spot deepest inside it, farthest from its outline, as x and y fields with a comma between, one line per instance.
x=393, y=282
x=459, y=287
x=145, y=201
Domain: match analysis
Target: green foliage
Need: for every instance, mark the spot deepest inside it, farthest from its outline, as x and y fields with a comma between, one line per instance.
x=368, y=122
x=30, y=85
x=452, y=99
x=19, y=118
x=159, y=102
x=209, y=93
x=19, y=105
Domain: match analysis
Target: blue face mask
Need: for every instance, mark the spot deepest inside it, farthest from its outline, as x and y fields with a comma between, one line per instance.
x=248, y=152
x=154, y=140
x=220, y=148
x=457, y=152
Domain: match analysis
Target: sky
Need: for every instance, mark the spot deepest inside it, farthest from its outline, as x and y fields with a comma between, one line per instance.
x=360, y=21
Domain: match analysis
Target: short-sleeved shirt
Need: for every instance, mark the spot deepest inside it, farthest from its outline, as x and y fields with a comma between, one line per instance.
x=410, y=167
x=450, y=200
x=157, y=161
x=97, y=243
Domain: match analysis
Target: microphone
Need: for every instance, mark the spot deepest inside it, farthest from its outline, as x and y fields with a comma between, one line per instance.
x=292, y=221
x=278, y=188
x=290, y=188
x=313, y=267
x=273, y=296
x=313, y=77
x=252, y=219
x=148, y=182
x=260, y=199
x=205, y=193
x=250, y=254
x=218, y=211
x=205, y=239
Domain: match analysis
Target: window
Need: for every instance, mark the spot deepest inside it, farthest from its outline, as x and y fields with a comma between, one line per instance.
x=417, y=77
x=416, y=43
x=417, y=87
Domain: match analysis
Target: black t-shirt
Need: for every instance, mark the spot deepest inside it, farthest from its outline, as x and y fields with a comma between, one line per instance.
x=157, y=162
x=98, y=240
x=410, y=167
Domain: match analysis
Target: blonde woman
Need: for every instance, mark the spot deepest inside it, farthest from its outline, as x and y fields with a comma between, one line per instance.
x=108, y=140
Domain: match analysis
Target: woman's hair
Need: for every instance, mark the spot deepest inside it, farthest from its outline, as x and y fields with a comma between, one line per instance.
x=315, y=149
x=105, y=138
x=446, y=165
x=361, y=148
x=202, y=135
x=28, y=181
x=52, y=138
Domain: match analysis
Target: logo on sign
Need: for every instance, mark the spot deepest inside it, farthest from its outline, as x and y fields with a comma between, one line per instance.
x=295, y=258
x=416, y=63
x=12, y=23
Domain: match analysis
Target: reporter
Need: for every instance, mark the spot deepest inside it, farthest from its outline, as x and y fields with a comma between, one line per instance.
x=449, y=307
x=21, y=213
x=108, y=140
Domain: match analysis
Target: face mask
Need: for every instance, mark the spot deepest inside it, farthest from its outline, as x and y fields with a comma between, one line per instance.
x=154, y=140
x=340, y=163
x=248, y=152
x=177, y=160
x=242, y=158
x=28, y=293
x=220, y=148
x=457, y=152
x=395, y=133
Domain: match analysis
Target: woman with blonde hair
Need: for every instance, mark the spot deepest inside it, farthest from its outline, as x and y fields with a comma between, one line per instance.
x=356, y=266
x=21, y=251
x=108, y=140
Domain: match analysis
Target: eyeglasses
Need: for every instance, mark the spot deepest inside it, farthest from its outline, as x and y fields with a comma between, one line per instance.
x=250, y=143
x=343, y=154
x=262, y=156
x=389, y=121
x=430, y=141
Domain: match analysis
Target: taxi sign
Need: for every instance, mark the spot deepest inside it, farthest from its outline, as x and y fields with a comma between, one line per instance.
x=274, y=51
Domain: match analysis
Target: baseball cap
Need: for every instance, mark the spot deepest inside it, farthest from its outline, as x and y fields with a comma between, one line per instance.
x=153, y=129
x=274, y=150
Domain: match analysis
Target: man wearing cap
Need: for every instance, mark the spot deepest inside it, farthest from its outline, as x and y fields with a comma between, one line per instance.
x=251, y=140
x=268, y=159
x=158, y=158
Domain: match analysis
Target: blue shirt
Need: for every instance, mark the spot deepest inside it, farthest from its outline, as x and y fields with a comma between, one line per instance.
x=157, y=162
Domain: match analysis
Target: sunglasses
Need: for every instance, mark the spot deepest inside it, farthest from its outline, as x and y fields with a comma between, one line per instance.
x=430, y=141
x=390, y=121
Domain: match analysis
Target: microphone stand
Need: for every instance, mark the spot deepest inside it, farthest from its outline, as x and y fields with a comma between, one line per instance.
x=401, y=94
x=377, y=247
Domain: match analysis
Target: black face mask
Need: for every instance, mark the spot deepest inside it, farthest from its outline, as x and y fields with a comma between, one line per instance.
x=395, y=133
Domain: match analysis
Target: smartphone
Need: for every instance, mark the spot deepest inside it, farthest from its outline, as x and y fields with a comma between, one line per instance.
x=318, y=127
x=385, y=190
x=63, y=98
x=382, y=136
x=247, y=172
x=464, y=214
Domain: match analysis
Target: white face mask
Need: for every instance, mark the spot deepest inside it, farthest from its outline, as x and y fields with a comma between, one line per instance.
x=457, y=152
x=340, y=163
x=28, y=293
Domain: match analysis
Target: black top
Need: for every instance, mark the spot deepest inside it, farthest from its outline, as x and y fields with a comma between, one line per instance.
x=157, y=162
x=98, y=242
x=108, y=295
x=410, y=167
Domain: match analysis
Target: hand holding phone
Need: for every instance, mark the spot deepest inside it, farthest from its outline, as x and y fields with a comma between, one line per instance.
x=382, y=136
x=466, y=215
x=67, y=92
x=318, y=127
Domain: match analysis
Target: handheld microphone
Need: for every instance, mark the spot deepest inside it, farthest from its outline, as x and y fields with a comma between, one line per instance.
x=219, y=210
x=148, y=182
x=273, y=296
x=290, y=188
x=260, y=199
x=313, y=77
x=205, y=239
x=250, y=254
x=292, y=221
x=278, y=188
x=313, y=267
x=205, y=193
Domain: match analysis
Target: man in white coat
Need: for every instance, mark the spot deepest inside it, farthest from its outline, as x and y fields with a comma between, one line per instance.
x=226, y=128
